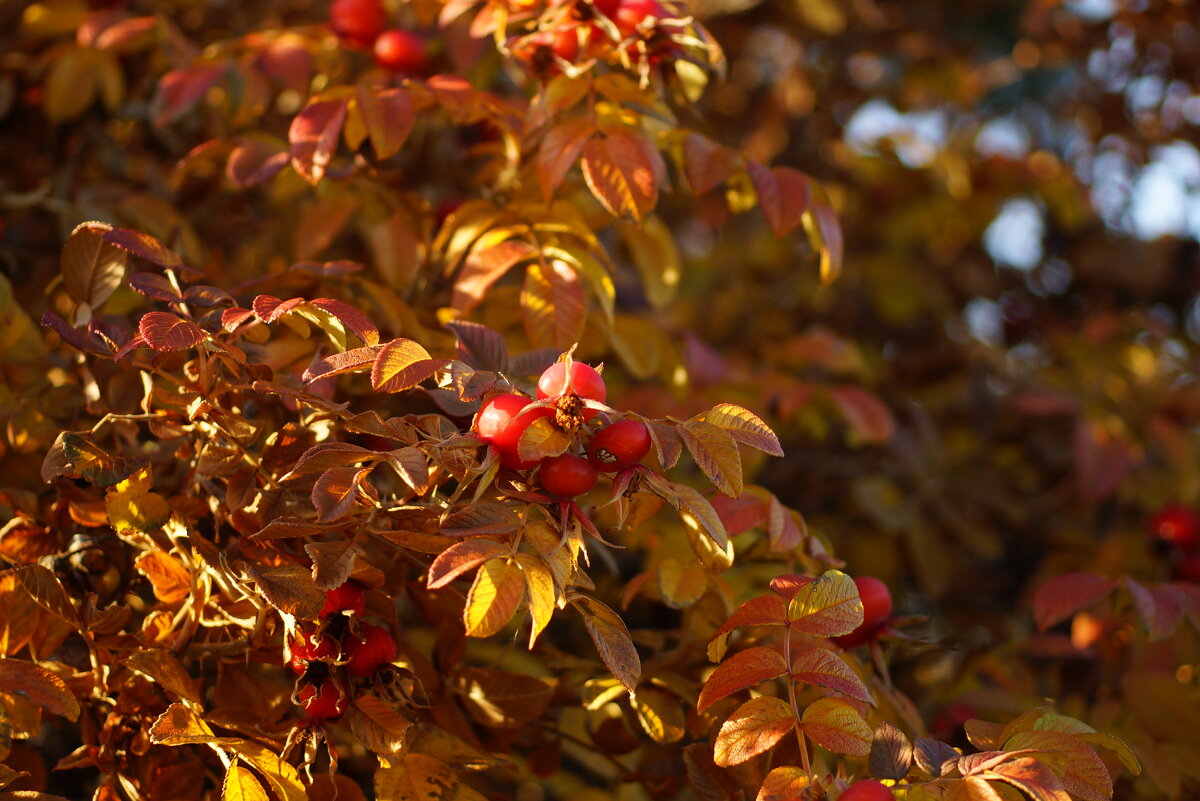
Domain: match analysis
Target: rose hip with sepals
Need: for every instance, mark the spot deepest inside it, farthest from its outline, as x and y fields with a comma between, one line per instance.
x=582, y=380
x=324, y=701
x=501, y=422
x=370, y=651
x=1176, y=524
x=619, y=445
x=308, y=647
x=348, y=597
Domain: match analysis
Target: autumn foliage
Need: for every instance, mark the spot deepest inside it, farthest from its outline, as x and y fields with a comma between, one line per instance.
x=428, y=401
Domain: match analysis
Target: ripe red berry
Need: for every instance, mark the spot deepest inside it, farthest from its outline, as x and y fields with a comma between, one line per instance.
x=357, y=22
x=566, y=44
x=349, y=597
x=1176, y=524
x=877, y=608
x=324, y=701
x=500, y=422
x=400, y=51
x=497, y=413
x=866, y=790
x=584, y=382
x=567, y=476
x=307, y=648
x=366, y=654
x=631, y=13
x=607, y=7
x=620, y=445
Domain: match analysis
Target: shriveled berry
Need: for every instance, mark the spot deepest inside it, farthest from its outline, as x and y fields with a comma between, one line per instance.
x=620, y=445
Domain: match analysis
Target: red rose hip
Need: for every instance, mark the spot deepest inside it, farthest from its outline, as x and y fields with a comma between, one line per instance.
x=400, y=51
x=357, y=22
x=348, y=597
x=877, y=608
x=324, y=701
x=308, y=648
x=866, y=790
x=620, y=445
x=584, y=382
x=567, y=476
x=1176, y=524
x=366, y=654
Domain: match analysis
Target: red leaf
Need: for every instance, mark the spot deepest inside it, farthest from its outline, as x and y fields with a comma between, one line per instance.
x=270, y=308
x=559, y=151
x=739, y=514
x=833, y=245
x=148, y=248
x=351, y=317
x=783, y=195
x=350, y=361
x=743, y=669
x=827, y=669
x=765, y=610
x=388, y=116
x=166, y=331
x=314, y=137
x=1062, y=596
x=232, y=318
x=181, y=89
x=1160, y=607
x=705, y=163
x=865, y=413
x=786, y=586
x=620, y=175
x=254, y=161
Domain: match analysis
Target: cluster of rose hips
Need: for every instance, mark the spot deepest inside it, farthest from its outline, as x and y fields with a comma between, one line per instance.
x=595, y=29
x=362, y=24
x=1179, y=526
x=339, y=648
x=877, y=610
x=563, y=393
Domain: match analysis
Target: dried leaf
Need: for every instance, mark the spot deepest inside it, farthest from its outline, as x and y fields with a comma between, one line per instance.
x=502, y=698
x=378, y=725
x=164, y=669
x=612, y=640
x=415, y=777
x=891, y=753
x=38, y=685
x=288, y=588
x=92, y=268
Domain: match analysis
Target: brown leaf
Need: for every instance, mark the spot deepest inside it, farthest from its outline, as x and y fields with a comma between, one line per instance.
x=612, y=640
x=706, y=164
x=715, y=453
x=165, y=670
x=147, y=247
x=709, y=782
x=1030, y=777
x=754, y=727
x=179, y=725
x=333, y=562
x=288, y=588
x=314, y=135
x=485, y=517
x=501, y=698
x=744, y=669
x=167, y=331
x=1062, y=596
x=660, y=714
x=171, y=580
x=378, y=725
x=789, y=784
x=48, y=592
x=783, y=195
x=891, y=753
x=1159, y=606
x=553, y=305
x=38, y=685
x=415, y=777
x=1083, y=773
x=388, y=116
x=253, y=162
x=92, y=268
x=931, y=755
x=336, y=490
x=620, y=175
x=462, y=557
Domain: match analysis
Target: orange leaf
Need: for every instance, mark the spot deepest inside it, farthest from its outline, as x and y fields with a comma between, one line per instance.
x=744, y=669
x=484, y=267
x=745, y=427
x=620, y=175
x=314, y=137
x=181, y=89
x=388, y=115
x=829, y=233
x=865, y=413
x=91, y=268
x=38, y=685
x=335, y=491
x=827, y=669
x=402, y=364
x=833, y=724
x=752, y=729
x=705, y=163
x=1030, y=777
x=559, y=151
x=716, y=454
x=553, y=305
x=765, y=610
x=785, y=784
x=171, y=580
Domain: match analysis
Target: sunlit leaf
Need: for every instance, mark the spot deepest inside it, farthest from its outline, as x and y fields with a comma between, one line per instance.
x=754, y=727
x=495, y=595
x=835, y=725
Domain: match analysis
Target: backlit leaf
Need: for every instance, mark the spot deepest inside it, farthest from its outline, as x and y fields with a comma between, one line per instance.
x=705, y=163
x=1159, y=606
x=171, y=580
x=825, y=231
x=559, y=150
x=288, y=588
x=314, y=135
x=745, y=427
x=1030, y=777
x=402, y=364
x=783, y=195
x=865, y=413
x=891, y=753
x=167, y=331
x=1083, y=774
x=484, y=267
x=502, y=698
x=765, y=610
x=241, y=785
x=179, y=90
x=827, y=669
x=335, y=491
x=828, y=606
x=92, y=268
x=494, y=597
x=656, y=256
x=542, y=439
x=38, y=685
x=660, y=714
x=388, y=116
x=415, y=777
x=715, y=453
x=620, y=175
x=147, y=247
x=462, y=557
x=485, y=517
x=742, y=670
x=612, y=640
x=378, y=724
x=753, y=728
x=786, y=784
x=179, y=725
x=553, y=305
x=165, y=670
x=835, y=725
x=539, y=583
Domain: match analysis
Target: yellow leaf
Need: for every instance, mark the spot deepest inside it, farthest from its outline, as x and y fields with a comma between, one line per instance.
x=660, y=713
x=828, y=606
x=415, y=777
x=833, y=724
x=240, y=785
x=539, y=582
x=132, y=507
x=656, y=258
x=716, y=454
x=493, y=598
